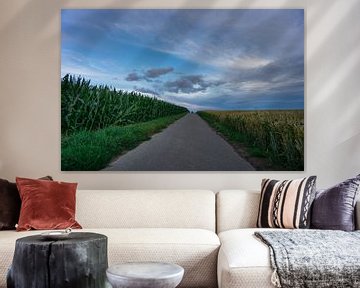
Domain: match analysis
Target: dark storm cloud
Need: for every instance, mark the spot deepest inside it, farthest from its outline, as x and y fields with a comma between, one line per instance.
x=285, y=74
x=133, y=77
x=156, y=72
x=283, y=68
x=149, y=74
x=189, y=84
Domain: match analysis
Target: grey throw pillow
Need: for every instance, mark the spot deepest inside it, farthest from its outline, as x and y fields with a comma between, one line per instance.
x=334, y=208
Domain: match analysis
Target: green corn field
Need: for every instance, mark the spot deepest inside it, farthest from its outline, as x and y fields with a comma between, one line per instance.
x=280, y=133
x=86, y=107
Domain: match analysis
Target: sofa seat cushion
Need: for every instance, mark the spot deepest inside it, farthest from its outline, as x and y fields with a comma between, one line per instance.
x=244, y=261
x=194, y=249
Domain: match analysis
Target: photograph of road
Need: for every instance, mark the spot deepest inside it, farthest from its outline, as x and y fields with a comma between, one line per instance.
x=182, y=90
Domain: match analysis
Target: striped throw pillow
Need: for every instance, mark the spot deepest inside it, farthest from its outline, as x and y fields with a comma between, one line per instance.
x=286, y=204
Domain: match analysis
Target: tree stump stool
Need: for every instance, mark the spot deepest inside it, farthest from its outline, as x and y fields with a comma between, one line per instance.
x=78, y=261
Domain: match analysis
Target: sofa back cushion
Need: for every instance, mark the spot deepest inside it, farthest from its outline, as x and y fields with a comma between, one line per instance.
x=146, y=209
x=236, y=209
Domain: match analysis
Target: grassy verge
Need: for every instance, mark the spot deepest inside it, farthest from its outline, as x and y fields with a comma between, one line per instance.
x=93, y=150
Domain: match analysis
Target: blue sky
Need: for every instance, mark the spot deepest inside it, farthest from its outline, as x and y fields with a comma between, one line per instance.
x=202, y=59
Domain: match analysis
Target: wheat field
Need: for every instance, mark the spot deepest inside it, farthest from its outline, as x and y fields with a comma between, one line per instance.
x=278, y=133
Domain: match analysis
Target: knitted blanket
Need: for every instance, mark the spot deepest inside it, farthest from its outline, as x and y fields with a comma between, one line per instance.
x=313, y=258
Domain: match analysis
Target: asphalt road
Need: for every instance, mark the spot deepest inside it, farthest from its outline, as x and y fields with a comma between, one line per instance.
x=189, y=144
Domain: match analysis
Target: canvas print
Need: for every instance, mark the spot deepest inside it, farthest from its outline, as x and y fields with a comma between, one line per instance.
x=182, y=90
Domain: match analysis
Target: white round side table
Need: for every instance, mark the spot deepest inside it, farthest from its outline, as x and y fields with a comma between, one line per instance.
x=145, y=275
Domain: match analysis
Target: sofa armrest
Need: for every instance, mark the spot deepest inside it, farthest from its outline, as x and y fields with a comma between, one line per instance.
x=357, y=215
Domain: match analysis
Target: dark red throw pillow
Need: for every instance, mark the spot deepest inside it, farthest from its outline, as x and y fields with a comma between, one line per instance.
x=10, y=204
x=46, y=204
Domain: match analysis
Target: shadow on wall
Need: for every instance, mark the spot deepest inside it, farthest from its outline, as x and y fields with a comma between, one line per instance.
x=333, y=82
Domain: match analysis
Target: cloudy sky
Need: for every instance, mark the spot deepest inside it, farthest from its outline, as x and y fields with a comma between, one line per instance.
x=201, y=59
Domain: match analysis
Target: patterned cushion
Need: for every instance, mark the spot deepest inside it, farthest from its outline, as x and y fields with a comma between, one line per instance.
x=286, y=204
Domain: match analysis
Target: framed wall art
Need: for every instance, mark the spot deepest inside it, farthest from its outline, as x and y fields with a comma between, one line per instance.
x=182, y=90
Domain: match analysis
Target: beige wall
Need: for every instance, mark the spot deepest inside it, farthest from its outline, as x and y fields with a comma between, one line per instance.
x=30, y=94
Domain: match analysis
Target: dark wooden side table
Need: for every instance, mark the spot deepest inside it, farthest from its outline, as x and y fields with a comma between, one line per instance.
x=79, y=261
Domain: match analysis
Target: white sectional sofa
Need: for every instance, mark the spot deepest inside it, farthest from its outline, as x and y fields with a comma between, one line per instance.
x=177, y=226
x=146, y=225
x=243, y=260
